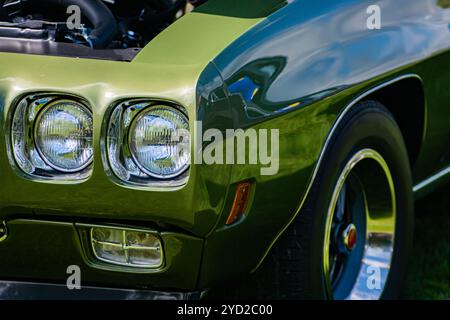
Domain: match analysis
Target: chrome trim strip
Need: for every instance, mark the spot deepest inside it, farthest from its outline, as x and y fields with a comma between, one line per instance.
x=325, y=147
x=428, y=182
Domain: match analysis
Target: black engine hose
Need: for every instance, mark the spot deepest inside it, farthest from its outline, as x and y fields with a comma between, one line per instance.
x=98, y=14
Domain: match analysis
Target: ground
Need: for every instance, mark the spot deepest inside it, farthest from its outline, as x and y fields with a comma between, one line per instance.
x=429, y=274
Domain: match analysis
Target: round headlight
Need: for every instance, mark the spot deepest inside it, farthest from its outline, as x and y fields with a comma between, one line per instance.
x=63, y=135
x=159, y=141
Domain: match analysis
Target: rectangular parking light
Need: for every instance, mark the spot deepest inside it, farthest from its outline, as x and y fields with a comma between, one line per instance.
x=127, y=247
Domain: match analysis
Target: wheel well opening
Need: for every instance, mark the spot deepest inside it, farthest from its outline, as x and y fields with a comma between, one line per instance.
x=405, y=99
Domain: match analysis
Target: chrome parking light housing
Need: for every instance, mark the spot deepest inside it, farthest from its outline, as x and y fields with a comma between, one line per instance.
x=122, y=248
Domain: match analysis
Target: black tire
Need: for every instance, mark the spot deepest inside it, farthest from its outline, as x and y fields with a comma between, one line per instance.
x=294, y=269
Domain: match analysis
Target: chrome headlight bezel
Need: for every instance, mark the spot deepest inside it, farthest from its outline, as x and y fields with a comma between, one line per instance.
x=23, y=153
x=120, y=163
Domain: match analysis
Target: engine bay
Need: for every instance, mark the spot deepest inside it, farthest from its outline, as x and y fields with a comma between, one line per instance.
x=103, y=29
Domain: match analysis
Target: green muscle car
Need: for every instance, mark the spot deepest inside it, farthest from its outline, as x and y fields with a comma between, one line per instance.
x=176, y=149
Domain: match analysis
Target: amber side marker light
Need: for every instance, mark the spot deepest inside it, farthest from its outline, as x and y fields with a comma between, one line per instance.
x=240, y=202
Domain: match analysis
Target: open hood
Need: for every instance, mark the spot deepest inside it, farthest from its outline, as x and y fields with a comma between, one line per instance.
x=103, y=29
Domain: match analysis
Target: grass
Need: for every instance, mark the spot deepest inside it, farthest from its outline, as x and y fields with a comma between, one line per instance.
x=429, y=273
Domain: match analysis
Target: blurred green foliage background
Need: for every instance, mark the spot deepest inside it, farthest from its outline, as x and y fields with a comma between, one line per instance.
x=444, y=3
x=429, y=273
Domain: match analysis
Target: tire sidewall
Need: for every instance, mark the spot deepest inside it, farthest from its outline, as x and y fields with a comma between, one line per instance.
x=369, y=125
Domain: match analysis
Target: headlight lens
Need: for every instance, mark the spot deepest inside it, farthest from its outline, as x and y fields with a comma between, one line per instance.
x=159, y=141
x=63, y=135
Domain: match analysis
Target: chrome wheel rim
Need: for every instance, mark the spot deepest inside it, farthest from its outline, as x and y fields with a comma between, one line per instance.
x=360, y=229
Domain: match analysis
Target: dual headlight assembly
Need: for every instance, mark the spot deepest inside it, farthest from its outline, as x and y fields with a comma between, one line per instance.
x=144, y=142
